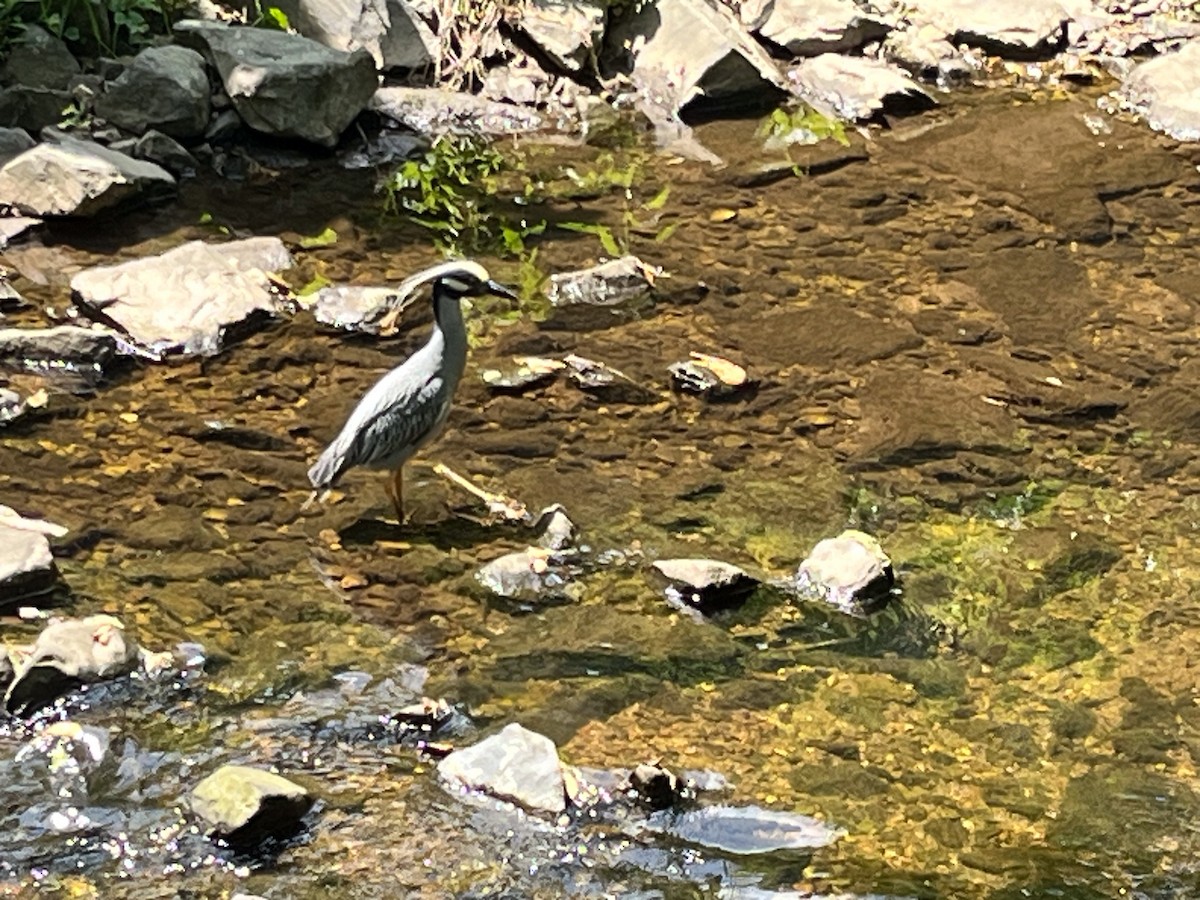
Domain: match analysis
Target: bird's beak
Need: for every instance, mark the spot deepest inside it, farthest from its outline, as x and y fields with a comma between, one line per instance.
x=500, y=290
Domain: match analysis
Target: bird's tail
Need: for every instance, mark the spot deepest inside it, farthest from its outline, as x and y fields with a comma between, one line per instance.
x=325, y=472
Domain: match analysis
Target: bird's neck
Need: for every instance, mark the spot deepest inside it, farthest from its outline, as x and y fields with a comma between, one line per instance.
x=448, y=323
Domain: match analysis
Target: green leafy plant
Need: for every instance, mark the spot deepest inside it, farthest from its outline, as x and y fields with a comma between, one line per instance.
x=801, y=125
x=269, y=17
x=642, y=218
x=451, y=190
x=111, y=27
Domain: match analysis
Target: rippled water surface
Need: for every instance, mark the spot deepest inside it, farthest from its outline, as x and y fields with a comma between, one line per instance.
x=975, y=338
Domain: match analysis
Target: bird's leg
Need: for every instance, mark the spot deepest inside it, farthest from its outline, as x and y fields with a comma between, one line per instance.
x=395, y=492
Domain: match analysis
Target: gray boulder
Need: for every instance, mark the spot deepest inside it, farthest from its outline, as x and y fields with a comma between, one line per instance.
x=1166, y=91
x=851, y=87
x=165, y=88
x=75, y=177
x=718, y=60
x=568, y=31
x=517, y=765
x=39, y=59
x=33, y=108
x=811, y=27
x=67, y=653
x=166, y=152
x=14, y=141
x=283, y=84
x=245, y=805
x=394, y=35
x=434, y=111
x=611, y=283
x=26, y=563
x=186, y=300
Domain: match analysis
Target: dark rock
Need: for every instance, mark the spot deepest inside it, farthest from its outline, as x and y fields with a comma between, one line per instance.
x=33, y=108
x=746, y=829
x=247, y=806
x=850, y=571
x=656, y=787
x=167, y=152
x=164, y=88
x=13, y=141
x=517, y=765
x=283, y=84
x=78, y=178
x=188, y=299
x=69, y=347
x=38, y=59
x=706, y=585
x=67, y=653
x=431, y=111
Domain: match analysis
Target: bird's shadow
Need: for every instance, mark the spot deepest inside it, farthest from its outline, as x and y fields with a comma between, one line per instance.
x=452, y=532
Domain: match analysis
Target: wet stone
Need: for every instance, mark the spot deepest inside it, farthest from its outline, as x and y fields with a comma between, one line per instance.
x=68, y=347
x=606, y=383
x=67, y=653
x=357, y=307
x=431, y=111
x=705, y=585
x=517, y=765
x=850, y=571
x=26, y=564
x=246, y=806
x=746, y=829
x=533, y=576
x=656, y=787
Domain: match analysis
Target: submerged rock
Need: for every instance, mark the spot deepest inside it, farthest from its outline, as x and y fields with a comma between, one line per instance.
x=68, y=653
x=517, y=765
x=164, y=88
x=531, y=371
x=710, y=376
x=656, y=787
x=69, y=347
x=26, y=563
x=246, y=806
x=433, y=111
x=852, y=87
x=283, y=84
x=706, y=585
x=357, y=307
x=74, y=177
x=67, y=748
x=746, y=829
x=532, y=575
x=850, y=571
x=606, y=383
x=188, y=299
x=1166, y=91
x=611, y=283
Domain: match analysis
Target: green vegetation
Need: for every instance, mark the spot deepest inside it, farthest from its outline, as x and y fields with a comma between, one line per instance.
x=801, y=125
x=90, y=26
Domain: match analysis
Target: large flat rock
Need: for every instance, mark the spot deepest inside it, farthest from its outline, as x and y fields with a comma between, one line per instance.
x=1166, y=91
x=73, y=177
x=188, y=299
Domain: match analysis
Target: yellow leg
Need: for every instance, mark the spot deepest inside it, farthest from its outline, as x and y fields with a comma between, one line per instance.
x=395, y=492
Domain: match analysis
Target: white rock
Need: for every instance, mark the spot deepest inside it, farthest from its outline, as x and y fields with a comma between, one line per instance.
x=185, y=300
x=568, y=30
x=850, y=87
x=517, y=765
x=809, y=27
x=77, y=177
x=1166, y=91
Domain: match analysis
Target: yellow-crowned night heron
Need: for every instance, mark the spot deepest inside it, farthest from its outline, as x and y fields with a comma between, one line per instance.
x=408, y=406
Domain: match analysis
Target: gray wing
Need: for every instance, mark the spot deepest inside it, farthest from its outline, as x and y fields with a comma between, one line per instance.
x=391, y=421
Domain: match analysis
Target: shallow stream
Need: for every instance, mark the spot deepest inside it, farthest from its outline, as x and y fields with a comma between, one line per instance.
x=975, y=339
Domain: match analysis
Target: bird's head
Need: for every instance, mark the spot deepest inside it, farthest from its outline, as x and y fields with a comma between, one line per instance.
x=463, y=278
